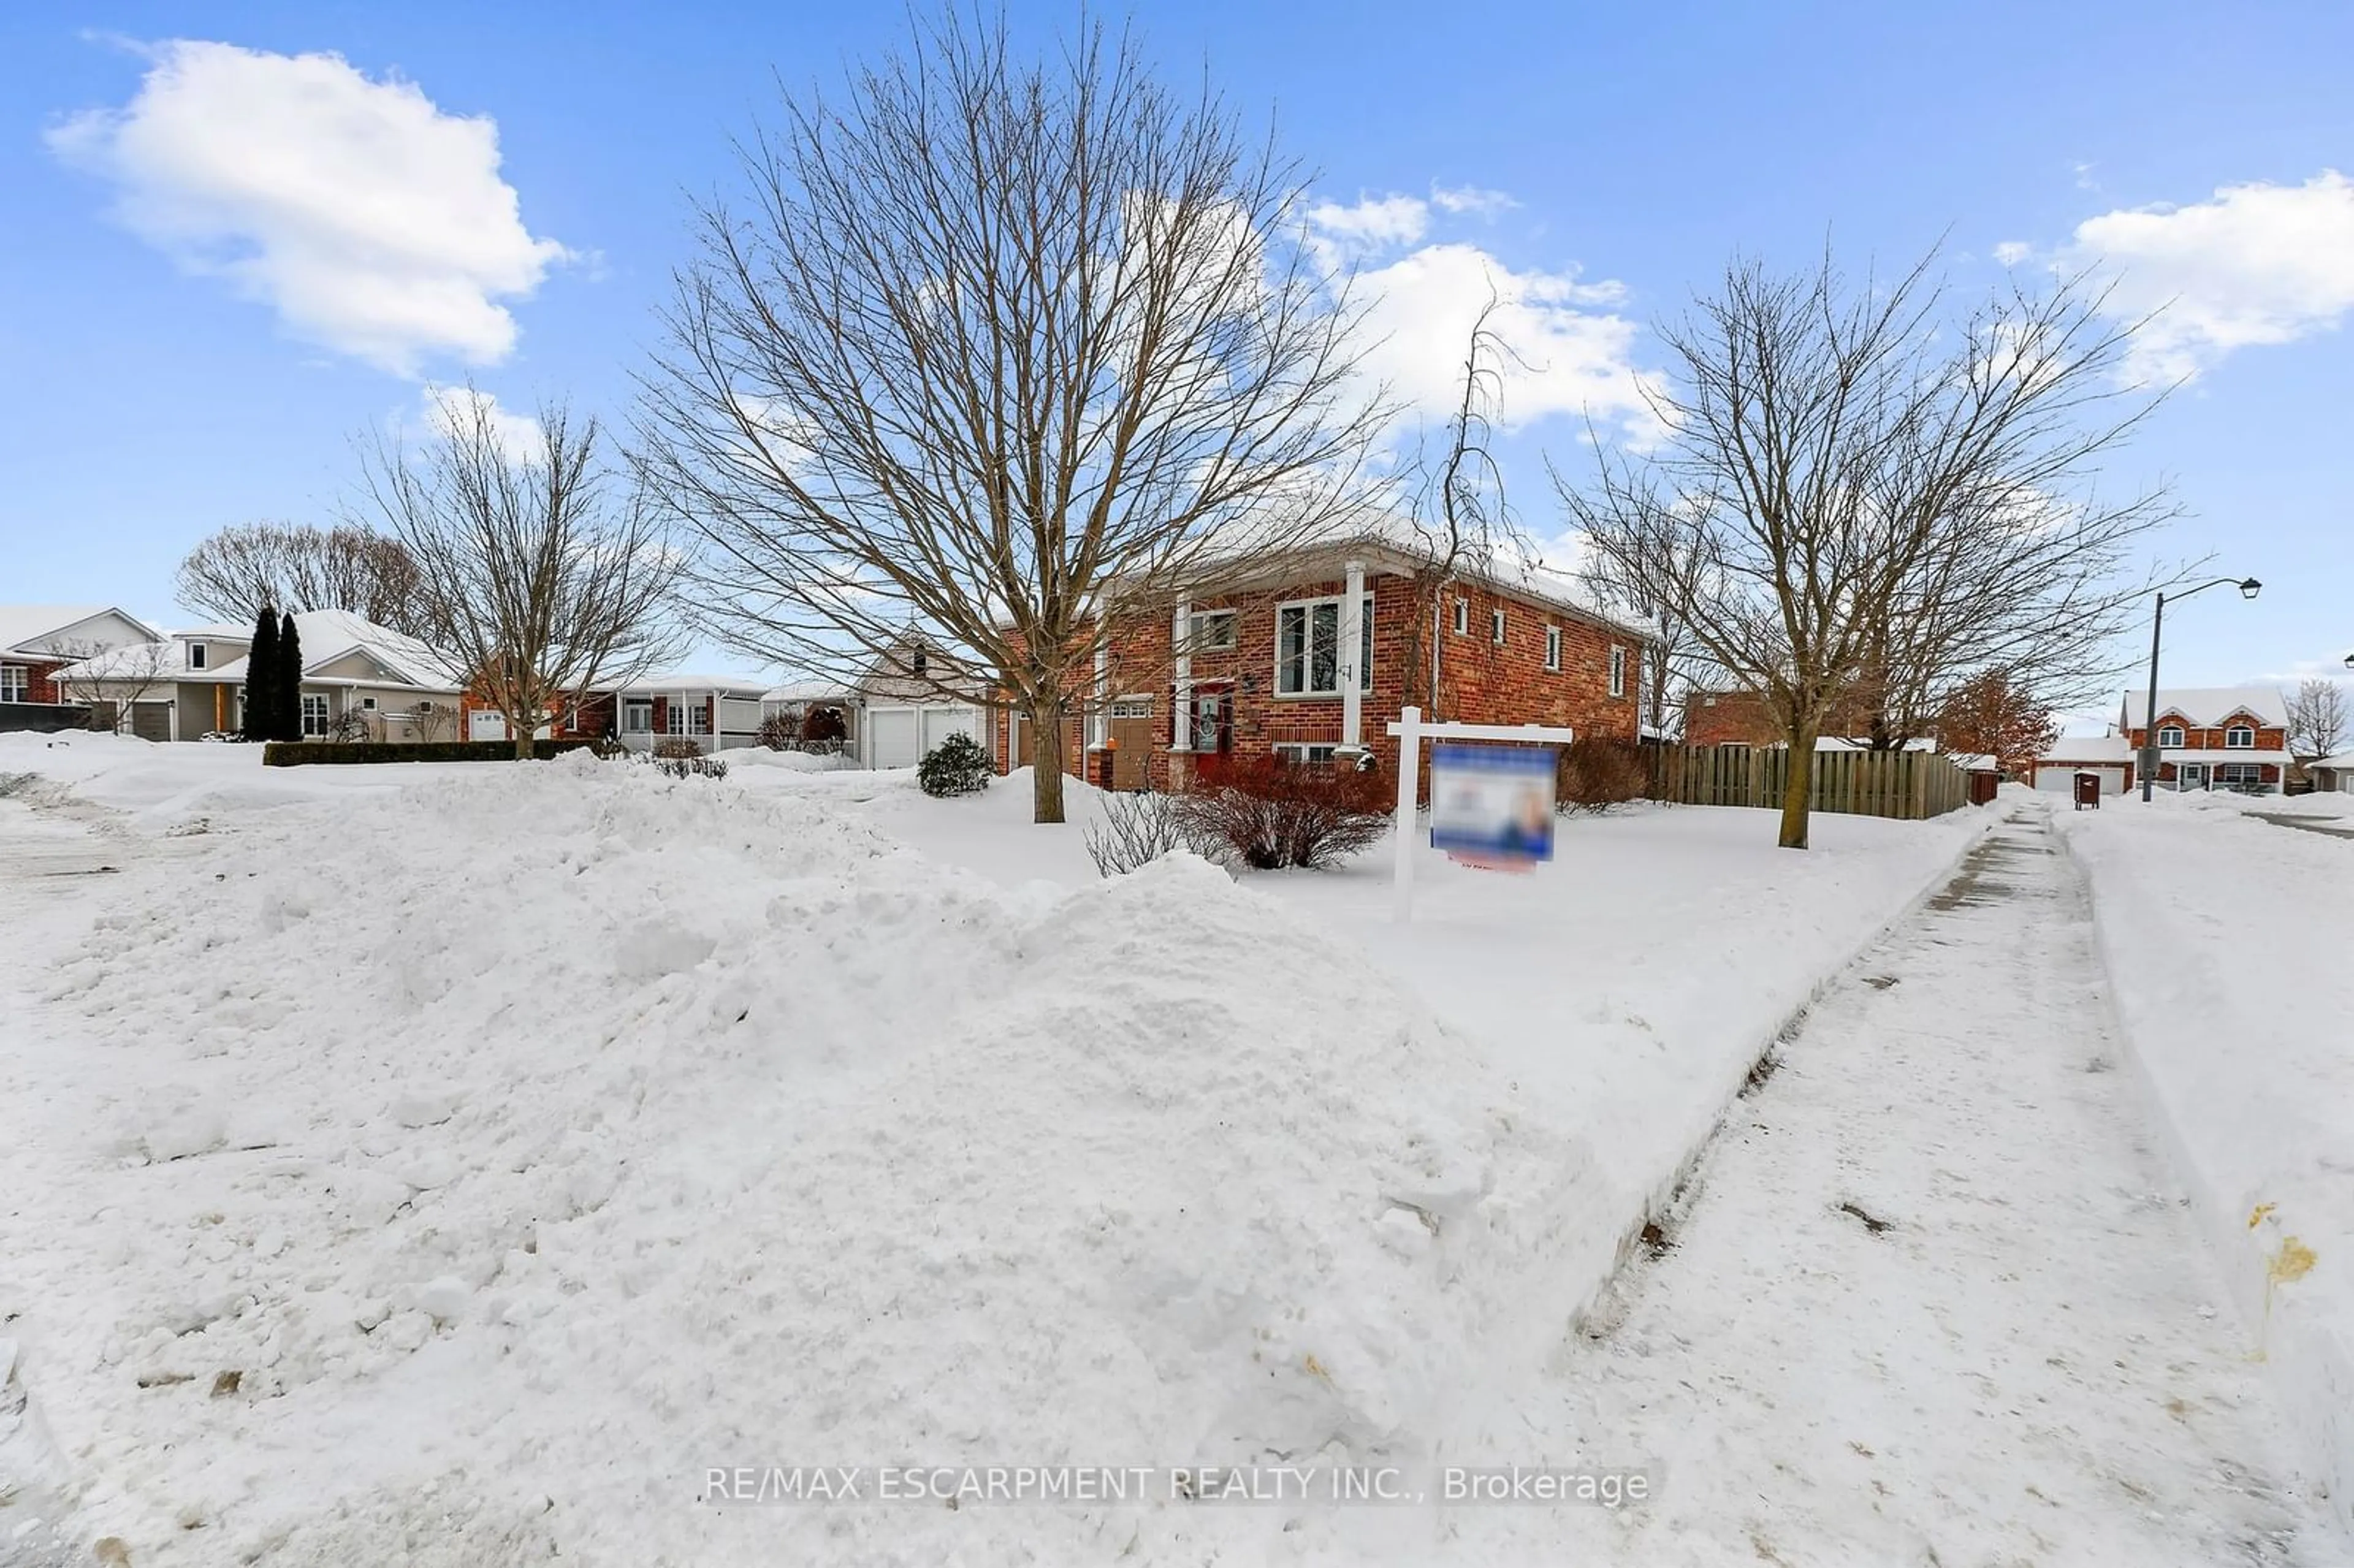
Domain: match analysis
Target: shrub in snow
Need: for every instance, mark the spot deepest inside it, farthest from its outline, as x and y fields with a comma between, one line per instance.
x=1270, y=812
x=957, y=766
x=823, y=728
x=1136, y=830
x=779, y=731
x=677, y=756
x=1591, y=774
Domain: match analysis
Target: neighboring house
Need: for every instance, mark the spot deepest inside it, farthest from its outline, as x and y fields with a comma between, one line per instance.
x=715, y=712
x=37, y=641
x=2215, y=738
x=356, y=676
x=911, y=698
x=2110, y=756
x=1737, y=717
x=2332, y=774
x=793, y=703
x=1311, y=662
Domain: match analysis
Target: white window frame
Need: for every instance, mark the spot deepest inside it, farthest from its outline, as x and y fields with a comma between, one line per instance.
x=1308, y=607
x=643, y=706
x=2173, y=729
x=1131, y=707
x=195, y=655
x=309, y=731
x=1552, y=649
x=1306, y=750
x=1462, y=617
x=2233, y=740
x=367, y=705
x=1213, y=631
x=1618, y=670
x=1495, y=626
x=15, y=680
x=688, y=718
x=2253, y=771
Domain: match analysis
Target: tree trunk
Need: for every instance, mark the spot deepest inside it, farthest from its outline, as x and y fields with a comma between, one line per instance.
x=1796, y=789
x=523, y=734
x=1047, y=760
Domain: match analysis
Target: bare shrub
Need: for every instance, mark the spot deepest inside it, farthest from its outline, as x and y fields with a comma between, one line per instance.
x=1270, y=812
x=1595, y=773
x=779, y=731
x=1136, y=830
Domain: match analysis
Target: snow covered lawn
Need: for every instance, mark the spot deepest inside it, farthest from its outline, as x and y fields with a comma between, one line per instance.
x=455, y=1163
x=2230, y=943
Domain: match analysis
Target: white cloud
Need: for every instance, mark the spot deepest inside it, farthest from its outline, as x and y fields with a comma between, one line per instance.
x=449, y=410
x=1473, y=199
x=2258, y=264
x=1567, y=353
x=371, y=221
x=1564, y=357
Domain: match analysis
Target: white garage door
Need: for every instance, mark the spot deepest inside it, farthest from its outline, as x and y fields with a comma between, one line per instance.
x=484, y=724
x=941, y=723
x=899, y=737
x=891, y=737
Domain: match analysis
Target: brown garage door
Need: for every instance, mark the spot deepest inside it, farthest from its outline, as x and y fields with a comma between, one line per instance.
x=1131, y=740
x=152, y=721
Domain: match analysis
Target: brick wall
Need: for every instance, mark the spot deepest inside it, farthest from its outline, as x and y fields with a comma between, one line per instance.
x=40, y=678
x=1479, y=681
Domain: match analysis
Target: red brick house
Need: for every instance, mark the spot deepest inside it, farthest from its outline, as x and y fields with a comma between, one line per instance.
x=37, y=641
x=1268, y=668
x=2216, y=738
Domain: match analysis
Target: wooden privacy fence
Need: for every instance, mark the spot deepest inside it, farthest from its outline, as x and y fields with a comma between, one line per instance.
x=1907, y=784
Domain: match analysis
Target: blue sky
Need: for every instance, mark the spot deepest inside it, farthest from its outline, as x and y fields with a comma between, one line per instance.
x=191, y=339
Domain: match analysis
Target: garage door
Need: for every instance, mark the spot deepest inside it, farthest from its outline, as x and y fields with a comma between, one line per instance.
x=484, y=724
x=892, y=738
x=152, y=721
x=941, y=723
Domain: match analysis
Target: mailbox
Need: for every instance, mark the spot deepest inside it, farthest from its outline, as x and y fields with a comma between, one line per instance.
x=2088, y=791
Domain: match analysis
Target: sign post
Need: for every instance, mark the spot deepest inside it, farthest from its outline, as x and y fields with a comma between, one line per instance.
x=1410, y=732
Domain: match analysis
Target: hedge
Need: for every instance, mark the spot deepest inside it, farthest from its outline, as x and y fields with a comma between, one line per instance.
x=296, y=753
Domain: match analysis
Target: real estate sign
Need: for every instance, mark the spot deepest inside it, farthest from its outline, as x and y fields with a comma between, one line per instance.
x=1492, y=805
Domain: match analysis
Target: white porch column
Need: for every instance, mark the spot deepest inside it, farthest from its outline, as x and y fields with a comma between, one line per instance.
x=1352, y=642
x=1181, y=633
x=1099, y=714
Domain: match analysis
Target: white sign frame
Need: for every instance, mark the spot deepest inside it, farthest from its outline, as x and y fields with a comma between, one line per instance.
x=1410, y=732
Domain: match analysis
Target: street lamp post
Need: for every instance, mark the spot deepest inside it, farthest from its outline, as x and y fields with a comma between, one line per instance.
x=2249, y=587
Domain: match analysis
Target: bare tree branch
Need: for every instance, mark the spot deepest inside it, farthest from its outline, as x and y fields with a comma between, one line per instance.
x=295, y=566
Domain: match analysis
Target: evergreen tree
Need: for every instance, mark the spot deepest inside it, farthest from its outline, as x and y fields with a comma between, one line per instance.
x=290, y=679
x=262, y=678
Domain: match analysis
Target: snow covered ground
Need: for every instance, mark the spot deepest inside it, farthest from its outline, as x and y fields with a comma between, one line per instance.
x=457, y=1163
x=2230, y=942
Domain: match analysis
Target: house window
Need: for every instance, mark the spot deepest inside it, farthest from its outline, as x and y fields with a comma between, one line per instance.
x=1307, y=648
x=2240, y=773
x=1495, y=627
x=638, y=716
x=1618, y=671
x=368, y=704
x=1553, y=647
x=1132, y=708
x=690, y=719
x=195, y=655
x=11, y=682
x=2169, y=734
x=1213, y=631
x=2240, y=737
x=1462, y=617
x=314, y=713
x=1300, y=751
x=921, y=661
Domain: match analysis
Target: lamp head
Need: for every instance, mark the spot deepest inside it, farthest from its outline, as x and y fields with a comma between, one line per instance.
x=2250, y=589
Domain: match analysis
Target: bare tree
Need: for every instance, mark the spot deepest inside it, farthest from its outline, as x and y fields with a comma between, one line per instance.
x=2317, y=718
x=1853, y=507
x=988, y=344
x=297, y=566
x=1459, y=521
x=541, y=570
x=112, y=681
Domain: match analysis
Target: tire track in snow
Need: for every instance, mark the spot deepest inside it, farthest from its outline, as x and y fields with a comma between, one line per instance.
x=1932, y=1298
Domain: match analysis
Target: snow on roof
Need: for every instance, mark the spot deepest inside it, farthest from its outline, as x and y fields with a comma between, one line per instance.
x=698, y=681
x=28, y=626
x=807, y=692
x=2344, y=759
x=224, y=631
x=328, y=635
x=2089, y=748
x=1973, y=761
x=2206, y=705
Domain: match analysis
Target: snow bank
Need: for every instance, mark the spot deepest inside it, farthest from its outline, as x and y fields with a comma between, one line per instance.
x=529, y=1141
x=2226, y=940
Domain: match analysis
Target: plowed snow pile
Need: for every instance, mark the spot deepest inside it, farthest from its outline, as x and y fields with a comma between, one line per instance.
x=528, y=1143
